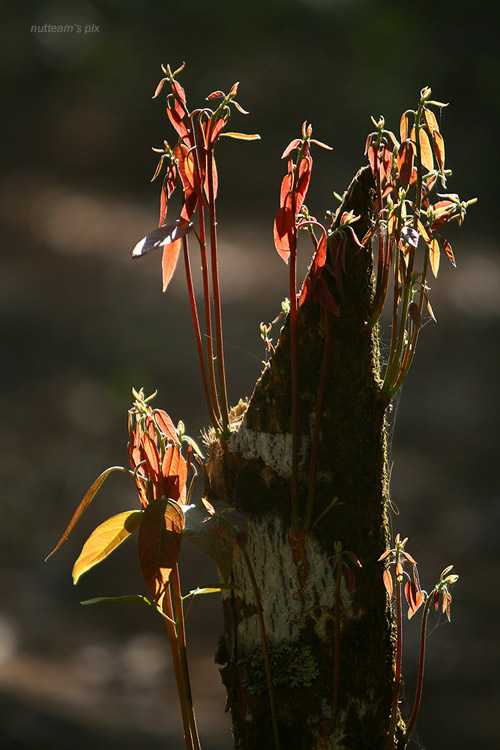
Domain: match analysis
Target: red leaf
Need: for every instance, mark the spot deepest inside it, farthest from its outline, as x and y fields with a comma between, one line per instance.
x=303, y=181
x=177, y=121
x=163, y=202
x=373, y=159
x=174, y=471
x=166, y=425
x=447, y=248
x=160, y=538
x=215, y=130
x=215, y=95
x=169, y=261
x=406, y=156
x=388, y=582
x=284, y=231
x=291, y=147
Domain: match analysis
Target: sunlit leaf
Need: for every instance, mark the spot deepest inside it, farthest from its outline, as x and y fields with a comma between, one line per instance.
x=425, y=149
x=104, y=539
x=127, y=599
x=160, y=538
x=216, y=95
x=89, y=496
x=438, y=143
x=164, y=235
x=434, y=255
x=169, y=261
x=291, y=147
x=388, y=582
x=174, y=471
x=283, y=230
x=242, y=136
x=166, y=425
x=403, y=127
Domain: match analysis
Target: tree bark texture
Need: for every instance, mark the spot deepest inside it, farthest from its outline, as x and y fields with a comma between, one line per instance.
x=294, y=570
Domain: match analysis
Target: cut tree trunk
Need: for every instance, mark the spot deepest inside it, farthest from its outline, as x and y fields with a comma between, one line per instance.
x=294, y=570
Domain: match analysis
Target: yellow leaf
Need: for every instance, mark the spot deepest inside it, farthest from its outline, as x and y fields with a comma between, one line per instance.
x=104, y=539
x=425, y=149
x=434, y=255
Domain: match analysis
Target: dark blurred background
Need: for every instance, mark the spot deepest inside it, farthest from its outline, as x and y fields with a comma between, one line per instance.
x=81, y=324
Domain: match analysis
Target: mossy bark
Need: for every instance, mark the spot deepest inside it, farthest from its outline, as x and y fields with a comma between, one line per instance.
x=294, y=571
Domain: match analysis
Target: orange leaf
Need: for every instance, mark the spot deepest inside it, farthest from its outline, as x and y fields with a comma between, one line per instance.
x=166, y=425
x=438, y=143
x=425, y=149
x=388, y=582
x=403, y=127
x=447, y=248
x=160, y=539
x=283, y=230
x=406, y=156
x=169, y=260
x=434, y=254
x=174, y=471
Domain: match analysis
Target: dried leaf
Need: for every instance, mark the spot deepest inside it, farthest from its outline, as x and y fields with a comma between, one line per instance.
x=160, y=539
x=89, y=496
x=104, y=539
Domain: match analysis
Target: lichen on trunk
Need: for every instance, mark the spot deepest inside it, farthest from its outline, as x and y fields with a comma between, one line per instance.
x=295, y=570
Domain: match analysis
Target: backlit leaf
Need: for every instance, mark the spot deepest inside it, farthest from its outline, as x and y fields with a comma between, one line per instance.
x=174, y=471
x=127, y=599
x=166, y=425
x=388, y=582
x=438, y=143
x=403, y=127
x=164, y=235
x=447, y=248
x=291, y=147
x=283, y=230
x=406, y=155
x=425, y=149
x=89, y=496
x=242, y=136
x=160, y=538
x=434, y=255
x=169, y=261
x=104, y=539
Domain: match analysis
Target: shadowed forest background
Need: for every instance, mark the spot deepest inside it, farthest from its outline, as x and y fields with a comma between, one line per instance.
x=81, y=324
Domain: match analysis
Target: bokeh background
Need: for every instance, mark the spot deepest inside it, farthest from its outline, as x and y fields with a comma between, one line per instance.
x=81, y=324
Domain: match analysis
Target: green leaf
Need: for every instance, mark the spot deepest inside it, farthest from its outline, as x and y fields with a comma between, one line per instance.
x=104, y=539
x=160, y=538
x=89, y=496
x=129, y=599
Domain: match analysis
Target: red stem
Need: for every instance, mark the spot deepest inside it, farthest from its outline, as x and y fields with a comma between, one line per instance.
x=216, y=296
x=197, y=334
x=420, y=678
